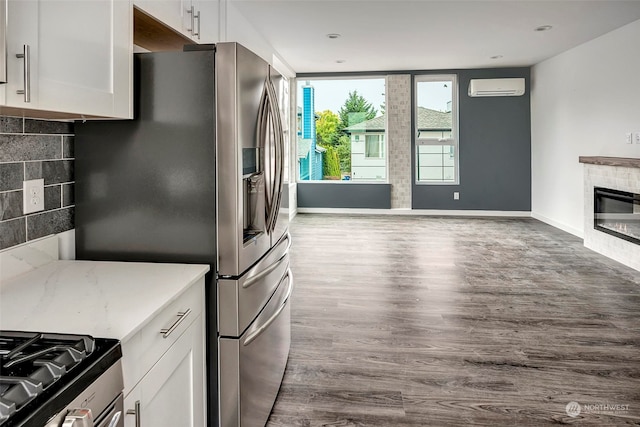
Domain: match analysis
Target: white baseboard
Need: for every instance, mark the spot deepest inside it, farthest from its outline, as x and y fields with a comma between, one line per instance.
x=556, y=224
x=422, y=212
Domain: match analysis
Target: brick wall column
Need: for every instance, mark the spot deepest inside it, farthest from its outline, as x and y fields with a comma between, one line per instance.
x=399, y=139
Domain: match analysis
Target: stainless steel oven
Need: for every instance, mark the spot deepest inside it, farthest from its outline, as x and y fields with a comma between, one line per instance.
x=95, y=406
x=59, y=380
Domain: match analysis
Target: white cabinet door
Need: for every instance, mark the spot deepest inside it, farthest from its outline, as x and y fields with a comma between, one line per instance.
x=207, y=26
x=80, y=56
x=172, y=393
x=22, y=30
x=169, y=12
x=194, y=19
x=84, y=53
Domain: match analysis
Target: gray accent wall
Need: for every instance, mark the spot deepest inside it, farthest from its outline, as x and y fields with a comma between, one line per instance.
x=495, y=151
x=494, y=144
x=34, y=149
x=344, y=195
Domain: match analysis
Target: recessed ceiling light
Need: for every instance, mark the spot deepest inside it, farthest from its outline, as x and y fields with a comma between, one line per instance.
x=333, y=35
x=543, y=28
x=496, y=57
x=341, y=61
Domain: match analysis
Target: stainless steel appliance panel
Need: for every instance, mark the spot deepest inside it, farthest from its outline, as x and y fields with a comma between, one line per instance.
x=114, y=416
x=255, y=363
x=240, y=77
x=241, y=300
x=3, y=41
x=99, y=397
x=145, y=188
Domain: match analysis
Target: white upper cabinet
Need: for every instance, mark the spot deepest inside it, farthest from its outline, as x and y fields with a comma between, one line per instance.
x=208, y=24
x=196, y=20
x=169, y=12
x=74, y=57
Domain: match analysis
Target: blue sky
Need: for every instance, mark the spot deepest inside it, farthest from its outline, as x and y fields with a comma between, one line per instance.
x=330, y=94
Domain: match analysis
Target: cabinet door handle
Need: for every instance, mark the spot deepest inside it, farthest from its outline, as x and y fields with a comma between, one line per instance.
x=197, y=33
x=26, y=55
x=135, y=412
x=181, y=316
x=191, y=11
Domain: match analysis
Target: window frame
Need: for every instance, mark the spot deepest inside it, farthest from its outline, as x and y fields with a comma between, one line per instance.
x=379, y=142
x=384, y=154
x=452, y=141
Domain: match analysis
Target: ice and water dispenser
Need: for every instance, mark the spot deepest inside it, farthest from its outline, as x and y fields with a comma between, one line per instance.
x=254, y=193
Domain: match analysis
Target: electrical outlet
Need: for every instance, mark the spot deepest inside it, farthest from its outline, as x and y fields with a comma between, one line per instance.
x=456, y=195
x=636, y=137
x=628, y=138
x=33, y=196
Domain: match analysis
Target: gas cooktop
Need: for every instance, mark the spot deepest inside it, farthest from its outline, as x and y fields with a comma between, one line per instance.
x=40, y=373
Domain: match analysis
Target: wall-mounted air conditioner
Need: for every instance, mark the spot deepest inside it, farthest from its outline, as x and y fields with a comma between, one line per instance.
x=496, y=87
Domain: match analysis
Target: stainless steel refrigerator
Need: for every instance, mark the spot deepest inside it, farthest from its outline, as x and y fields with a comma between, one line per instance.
x=198, y=177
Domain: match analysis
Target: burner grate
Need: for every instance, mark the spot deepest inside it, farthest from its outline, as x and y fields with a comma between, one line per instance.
x=31, y=363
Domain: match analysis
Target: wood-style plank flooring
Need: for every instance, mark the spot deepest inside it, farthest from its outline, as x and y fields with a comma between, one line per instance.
x=427, y=321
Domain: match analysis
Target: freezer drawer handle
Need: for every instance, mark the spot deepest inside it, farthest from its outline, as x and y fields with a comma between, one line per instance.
x=181, y=316
x=275, y=315
x=255, y=279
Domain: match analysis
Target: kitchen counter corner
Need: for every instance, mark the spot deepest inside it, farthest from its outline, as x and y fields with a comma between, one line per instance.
x=102, y=299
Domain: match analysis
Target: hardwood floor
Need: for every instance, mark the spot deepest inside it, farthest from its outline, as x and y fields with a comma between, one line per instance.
x=425, y=321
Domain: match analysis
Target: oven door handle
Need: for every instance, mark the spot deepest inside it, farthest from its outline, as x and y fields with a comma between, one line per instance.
x=78, y=418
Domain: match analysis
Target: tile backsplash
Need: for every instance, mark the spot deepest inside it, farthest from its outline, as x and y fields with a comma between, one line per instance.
x=33, y=149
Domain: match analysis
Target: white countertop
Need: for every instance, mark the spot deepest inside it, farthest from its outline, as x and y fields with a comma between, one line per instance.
x=99, y=298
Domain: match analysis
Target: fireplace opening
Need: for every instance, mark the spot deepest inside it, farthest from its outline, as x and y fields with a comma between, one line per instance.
x=617, y=213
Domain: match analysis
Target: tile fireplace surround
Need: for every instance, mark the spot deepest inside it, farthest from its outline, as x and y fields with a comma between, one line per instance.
x=616, y=173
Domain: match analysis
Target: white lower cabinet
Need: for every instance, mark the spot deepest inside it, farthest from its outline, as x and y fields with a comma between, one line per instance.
x=172, y=391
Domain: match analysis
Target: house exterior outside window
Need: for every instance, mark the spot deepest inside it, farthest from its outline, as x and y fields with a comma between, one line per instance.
x=436, y=129
x=374, y=146
x=368, y=151
x=309, y=153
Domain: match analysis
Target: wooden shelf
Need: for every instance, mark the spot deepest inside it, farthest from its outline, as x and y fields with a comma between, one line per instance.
x=627, y=162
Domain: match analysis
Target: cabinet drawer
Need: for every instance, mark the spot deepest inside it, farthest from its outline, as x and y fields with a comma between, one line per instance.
x=146, y=347
x=172, y=393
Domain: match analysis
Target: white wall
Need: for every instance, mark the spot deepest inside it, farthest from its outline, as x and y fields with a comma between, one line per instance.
x=583, y=101
x=234, y=27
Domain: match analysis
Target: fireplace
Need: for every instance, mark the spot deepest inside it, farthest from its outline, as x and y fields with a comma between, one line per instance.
x=617, y=213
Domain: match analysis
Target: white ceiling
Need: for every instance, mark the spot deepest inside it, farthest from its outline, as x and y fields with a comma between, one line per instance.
x=381, y=35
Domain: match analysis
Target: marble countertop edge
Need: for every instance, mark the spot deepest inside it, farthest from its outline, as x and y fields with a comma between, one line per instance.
x=106, y=299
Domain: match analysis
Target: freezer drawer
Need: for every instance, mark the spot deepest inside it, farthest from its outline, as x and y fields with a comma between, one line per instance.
x=252, y=366
x=240, y=300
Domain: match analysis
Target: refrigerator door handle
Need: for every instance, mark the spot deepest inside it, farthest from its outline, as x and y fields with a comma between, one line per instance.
x=271, y=140
x=255, y=334
x=277, y=147
x=263, y=144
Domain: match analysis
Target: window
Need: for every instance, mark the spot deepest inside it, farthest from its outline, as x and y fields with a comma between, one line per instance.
x=341, y=129
x=436, y=129
x=374, y=146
